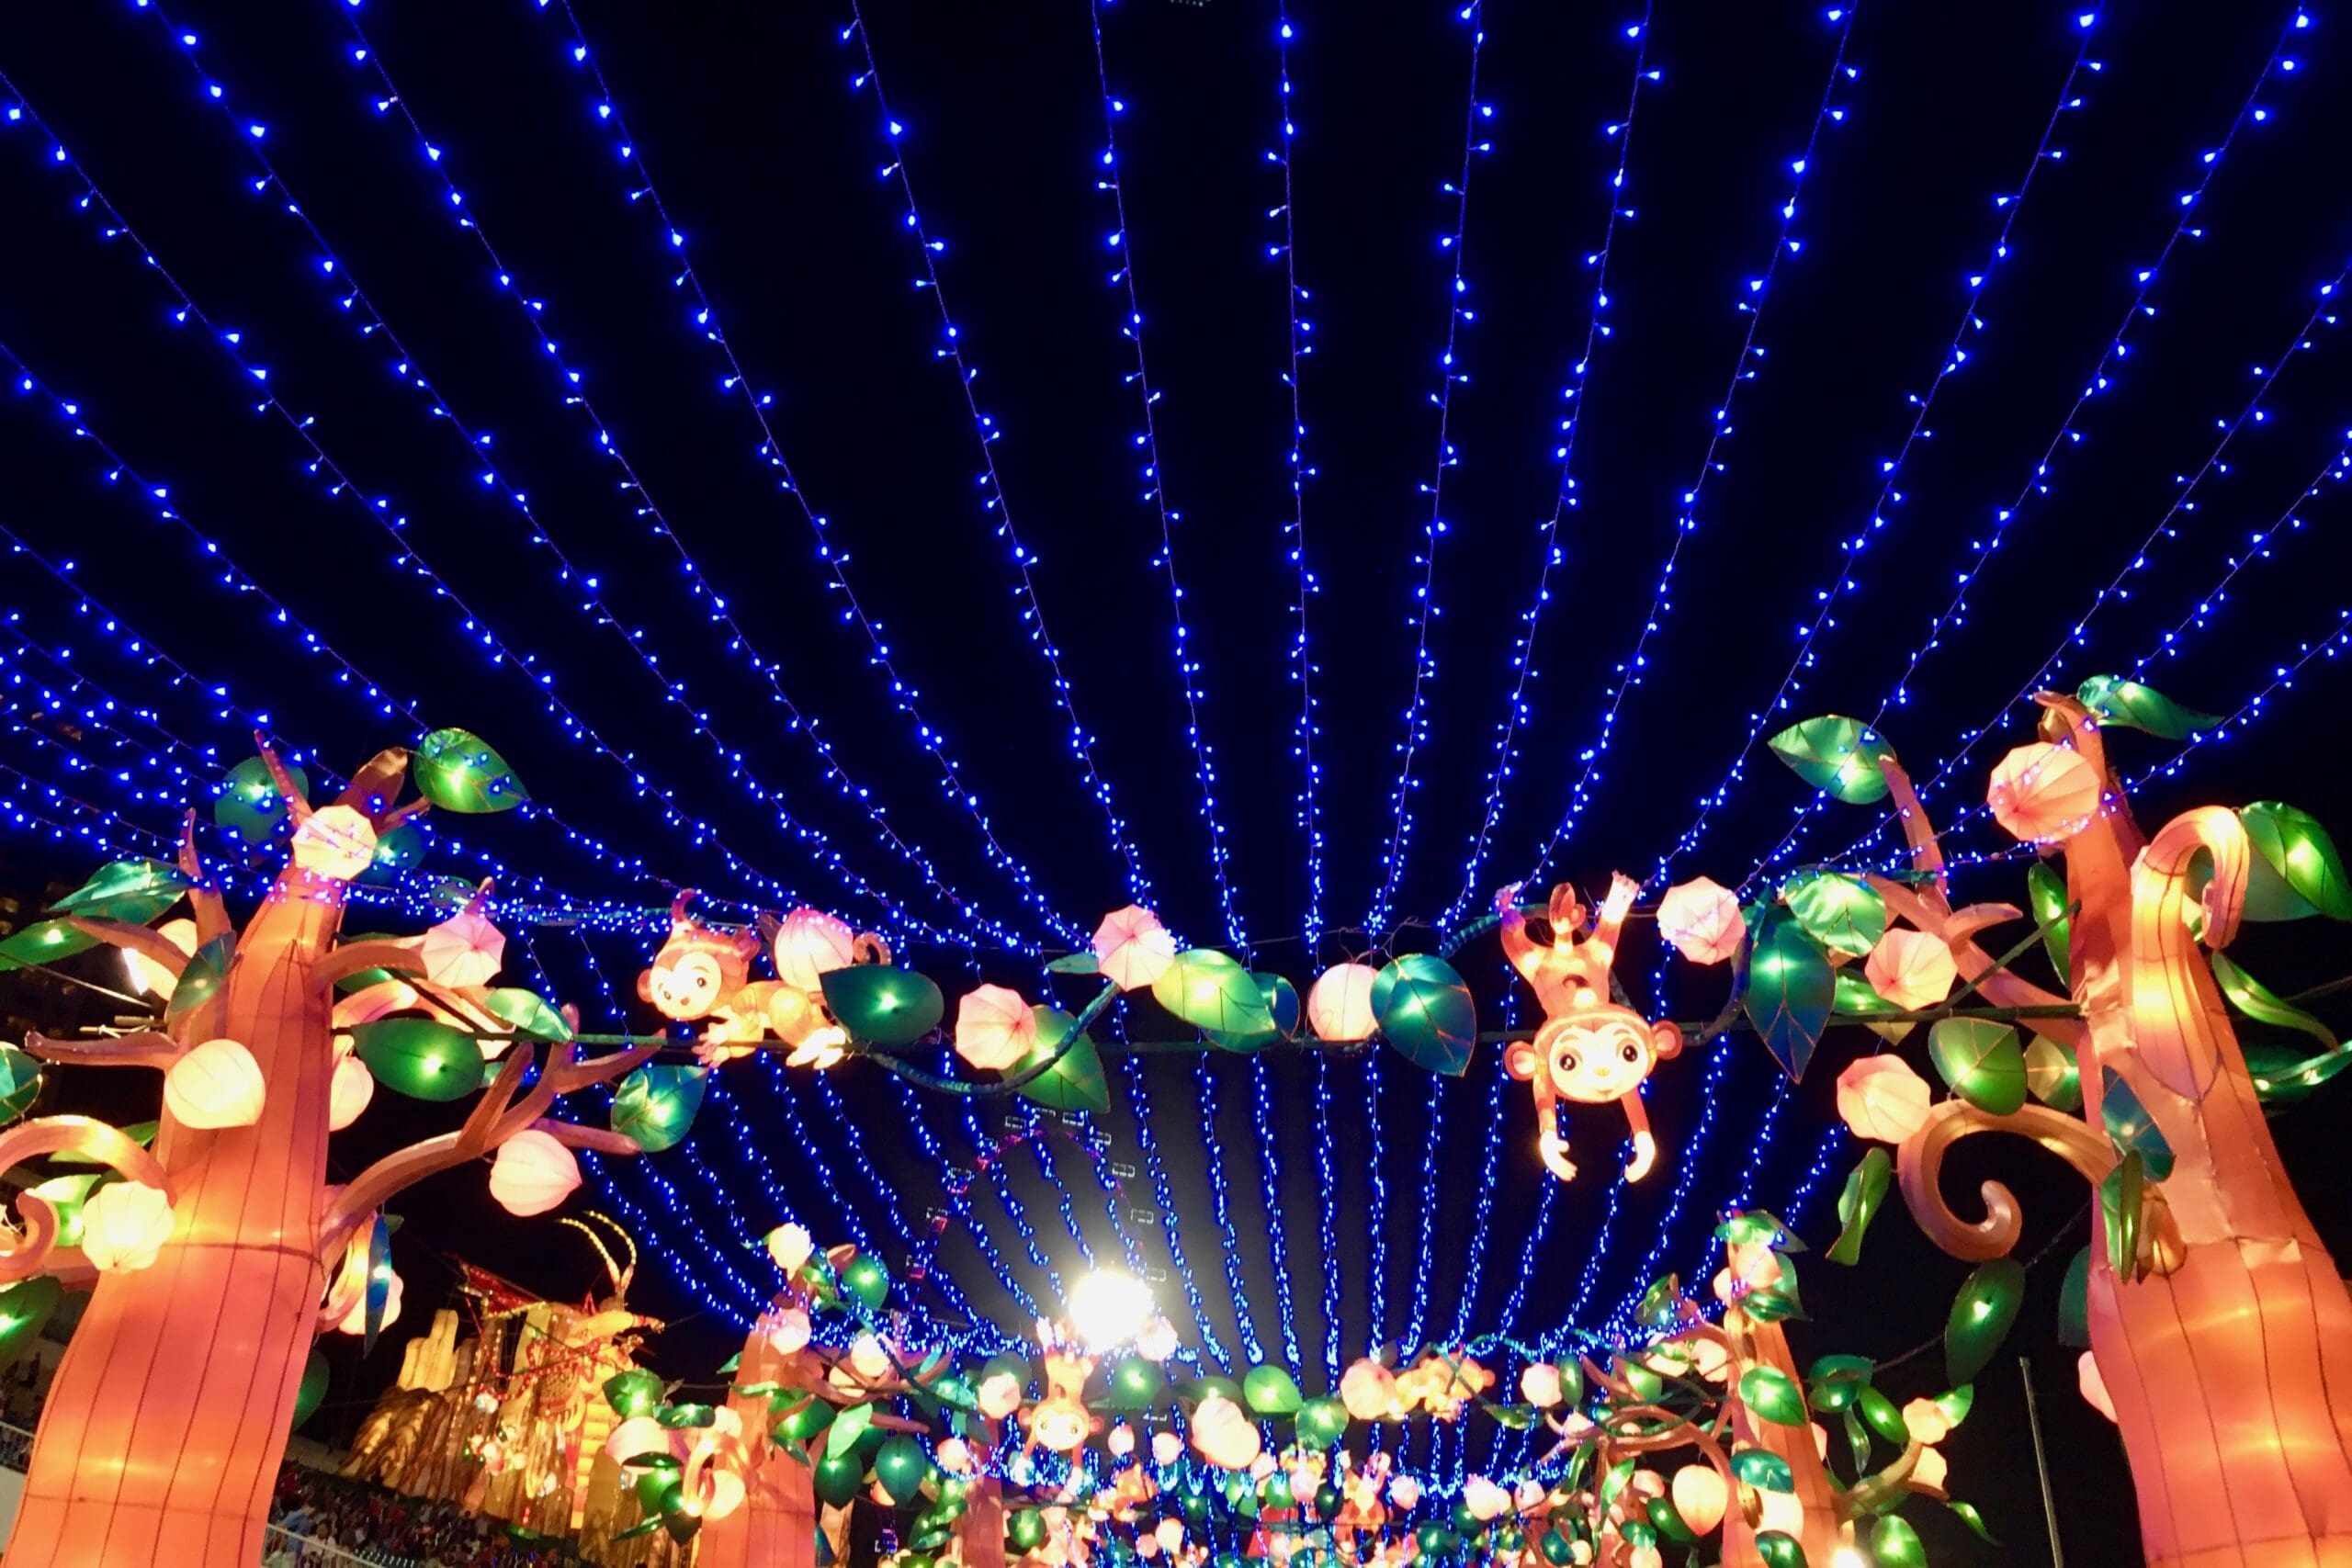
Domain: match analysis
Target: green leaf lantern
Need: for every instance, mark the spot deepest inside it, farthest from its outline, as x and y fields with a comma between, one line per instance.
x=418, y=1057
x=1269, y=1390
x=529, y=1013
x=1974, y=1520
x=1322, y=1422
x=1214, y=994
x=1878, y=1414
x=2047, y=893
x=2050, y=1075
x=867, y=1281
x=2127, y=704
x=1425, y=1012
x=656, y=1104
x=848, y=1427
x=43, y=941
x=313, y=1389
x=1894, y=1544
x=1790, y=990
x=1764, y=1469
x=900, y=1467
x=839, y=1478
x=1843, y=913
x=397, y=853
x=1982, y=1061
x=1981, y=1316
x=2133, y=1126
x=802, y=1422
x=2074, y=1303
x=1836, y=753
x=1135, y=1384
x=2256, y=1000
x=25, y=1310
x=2295, y=870
x=1772, y=1394
x=1282, y=1001
x=1780, y=1550
x=1857, y=1206
x=133, y=890
x=207, y=972
x=2120, y=1198
x=633, y=1393
x=1838, y=1380
x=880, y=1004
x=1073, y=1083
x=248, y=804
x=19, y=1083
x=1668, y=1523
x=1024, y=1530
x=457, y=772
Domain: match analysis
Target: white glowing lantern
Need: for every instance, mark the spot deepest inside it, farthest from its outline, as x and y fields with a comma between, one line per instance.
x=533, y=1173
x=1699, y=1497
x=1339, y=1005
x=150, y=976
x=1167, y=1448
x=787, y=1330
x=124, y=1226
x=217, y=1083
x=868, y=1360
x=337, y=842
x=348, y=1093
x=464, y=950
x=808, y=945
x=1485, y=1499
x=1122, y=1440
x=789, y=1246
x=1911, y=968
x=1406, y=1493
x=638, y=1435
x=1170, y=1534
x=999, y=1396
x=1703, y=920
x=725, y=1493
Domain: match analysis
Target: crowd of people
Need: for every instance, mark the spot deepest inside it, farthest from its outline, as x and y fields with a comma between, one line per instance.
x=324, y=1520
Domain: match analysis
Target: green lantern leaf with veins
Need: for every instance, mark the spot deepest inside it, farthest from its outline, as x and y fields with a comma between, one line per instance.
x=1838, y=754
x=2130, y=706
x=457, y=771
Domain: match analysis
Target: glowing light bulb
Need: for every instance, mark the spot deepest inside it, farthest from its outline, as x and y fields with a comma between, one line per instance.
x=1109, y=1307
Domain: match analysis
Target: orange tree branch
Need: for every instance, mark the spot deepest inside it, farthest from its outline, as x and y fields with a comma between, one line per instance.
x=575, y=1135
x=295, y=800
x=401, y=954
x=211, y=914
x=149, y=944
x=373, y=788
x=374, y=1187
x=143, y=1050
x=31, y=1250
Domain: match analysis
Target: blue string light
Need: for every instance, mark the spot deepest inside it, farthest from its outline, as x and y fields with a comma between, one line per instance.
x=1155, y=493
x=1305, y=731
x=362, y=312
x=1327, y=1208
x=990, y=483
x=1139, y=1099
x=1475, y=1257
x=1422, y=1270
x=986, y=1155
x=378, y=512
x=2105, y=374
x=1955, y=358
x=1223, y=1209
x=703, y=321
x=1375, y=1217
x=1422, y=608
x=1270, y=1185
x=1633, y=669
x=959, y=1203
x=1516, y=708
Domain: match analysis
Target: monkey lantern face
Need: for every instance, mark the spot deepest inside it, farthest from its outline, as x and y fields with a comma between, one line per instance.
x=685, y=990
x=1598, y=1054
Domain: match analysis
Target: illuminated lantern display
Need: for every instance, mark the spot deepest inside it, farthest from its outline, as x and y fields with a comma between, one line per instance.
x=152, y=978
x=251, y=1231
x=124, y=1227
x=810, y=944
x=2044, y=793
x=348, y=1094
x=1701, y=918
x=994, y=1028
x=1132, y=949
x=1339, y=1005
x=1224, y=1436
x=1882, y=1098
x=464, y=950
x=1911, y=968
x=533, y=1173
x=217, y=1084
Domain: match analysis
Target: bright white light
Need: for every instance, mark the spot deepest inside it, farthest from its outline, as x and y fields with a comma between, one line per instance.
x=1109, y=1308
x=1847, y=1557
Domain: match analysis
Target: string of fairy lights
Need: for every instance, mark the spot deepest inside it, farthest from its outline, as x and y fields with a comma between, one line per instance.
x=115, y=785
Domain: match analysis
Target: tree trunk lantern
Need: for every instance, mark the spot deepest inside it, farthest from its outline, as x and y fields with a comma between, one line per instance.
x=168, y=1417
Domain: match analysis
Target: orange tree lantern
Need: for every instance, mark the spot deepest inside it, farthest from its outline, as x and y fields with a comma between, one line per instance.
x=168, y=1414
x=2219, y=1330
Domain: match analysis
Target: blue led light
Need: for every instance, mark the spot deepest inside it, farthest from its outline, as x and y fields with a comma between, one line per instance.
x=1375, y=1216
x=1882, y=511
x=1155, y=493
x=1630, y=672
x=1270, y=1187
x=1516, y=708
x=1327, y=1234
x=991, y=485
x=1139, y=1099
x=1222, y=1206
x=1422, y=607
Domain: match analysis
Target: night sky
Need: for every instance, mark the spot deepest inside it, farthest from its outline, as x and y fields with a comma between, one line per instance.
x=879, y=718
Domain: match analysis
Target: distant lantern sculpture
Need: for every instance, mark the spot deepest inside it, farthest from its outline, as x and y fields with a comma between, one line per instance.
x=167, y=1416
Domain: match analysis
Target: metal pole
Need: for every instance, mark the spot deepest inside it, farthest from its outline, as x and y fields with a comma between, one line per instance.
x=2041, y=1464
